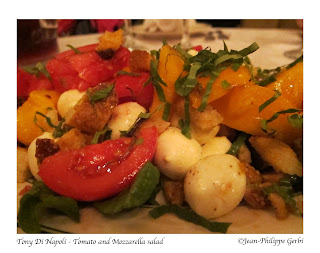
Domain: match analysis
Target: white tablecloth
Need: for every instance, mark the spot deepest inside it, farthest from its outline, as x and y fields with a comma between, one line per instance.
x=273, y=43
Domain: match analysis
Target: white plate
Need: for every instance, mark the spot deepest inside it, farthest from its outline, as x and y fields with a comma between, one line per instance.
x=137, y=221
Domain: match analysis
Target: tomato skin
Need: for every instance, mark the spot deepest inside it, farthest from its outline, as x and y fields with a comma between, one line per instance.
x=70, y=70
x=87, y=174
x=27, y=82
x=130, y=88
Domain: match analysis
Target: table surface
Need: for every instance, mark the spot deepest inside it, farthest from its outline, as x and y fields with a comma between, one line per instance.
x=273, y=43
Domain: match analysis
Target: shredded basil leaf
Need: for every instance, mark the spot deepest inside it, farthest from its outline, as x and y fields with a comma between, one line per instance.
x=296, y=120
x=225, y=84
x=59, y=129
x=300, y=59
x=104, y=134
x=264, y=122
x=207, y=92
x=185, y=124
x=37, y=69
x=166, y=111
x=269, y=101
x=236, y=145
x=190, y=216
x=100, y=94
x=122, y=72
x=76, y=50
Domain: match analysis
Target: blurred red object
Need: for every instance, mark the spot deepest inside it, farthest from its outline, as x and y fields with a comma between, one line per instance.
x=110, y=25
x=65, y=26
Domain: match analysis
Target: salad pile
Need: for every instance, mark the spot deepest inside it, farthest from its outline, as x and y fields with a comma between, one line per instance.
x=111, y=128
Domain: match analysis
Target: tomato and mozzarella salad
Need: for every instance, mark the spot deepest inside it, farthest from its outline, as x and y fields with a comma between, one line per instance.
x=115, y=128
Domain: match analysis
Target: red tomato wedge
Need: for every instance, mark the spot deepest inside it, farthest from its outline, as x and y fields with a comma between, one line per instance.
x=86, y=69
x=98, y=171
x=27, y=82
x=131, y=88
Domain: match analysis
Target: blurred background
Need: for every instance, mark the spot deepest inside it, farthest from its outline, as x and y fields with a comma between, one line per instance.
x=73, y=27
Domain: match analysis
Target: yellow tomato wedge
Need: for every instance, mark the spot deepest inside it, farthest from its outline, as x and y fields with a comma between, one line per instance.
x=240, y=110
x=43, y=101
x=234, y=78
x=290, y=84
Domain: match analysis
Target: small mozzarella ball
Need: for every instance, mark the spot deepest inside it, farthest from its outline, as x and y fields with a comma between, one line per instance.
x=68, y=100
x=32, y=160
x=215, y=146
x=176, y=154
x=124, y=117
x=215, y=185
x=204, y=136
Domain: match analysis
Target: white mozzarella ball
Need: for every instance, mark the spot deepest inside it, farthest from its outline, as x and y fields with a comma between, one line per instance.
x=215, y=185
x=68, y=100
x=176, y=154
x=216, y=145
x=204, y=136
x=32, y=160
x=124, y=117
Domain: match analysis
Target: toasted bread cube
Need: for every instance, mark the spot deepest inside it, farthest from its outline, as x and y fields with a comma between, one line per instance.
x=140, y=61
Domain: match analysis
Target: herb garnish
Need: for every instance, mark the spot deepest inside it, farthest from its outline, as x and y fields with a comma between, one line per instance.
x=104, y=134
x=59, y=129
x=190, y=216
x=37, y=200
x=37, y=69
x=100, y=94
x=76, y=50
x=236, y=145
x=269, y=101
x=122, y=72
x=264, y=122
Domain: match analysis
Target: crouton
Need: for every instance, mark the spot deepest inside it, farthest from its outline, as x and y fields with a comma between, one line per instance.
x=89, y=116
x=140, y=61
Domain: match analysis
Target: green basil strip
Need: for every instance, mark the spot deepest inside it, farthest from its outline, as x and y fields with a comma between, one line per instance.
x=296, y=120
x=166, y=111
x=76, y=50
x=100, y=94
x=236, y=145
x=250, y=49
x=154, y=72
x=225, y=85
x=264, y=122
x=42, y=68
x=106, y=133
x=139, y=193
x=186, y=131
x=285, y=192
x=156, y=80
x=268, y=80
x=190, y=216
x=207, y=92
x=300, y=59
x=269, y=101
x=122, y=72
x=185, y=85
x=227, y=57
x=183, y=52
x=59, y=130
